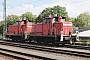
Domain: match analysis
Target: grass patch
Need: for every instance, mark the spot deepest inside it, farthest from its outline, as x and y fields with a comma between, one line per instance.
x=83, y=41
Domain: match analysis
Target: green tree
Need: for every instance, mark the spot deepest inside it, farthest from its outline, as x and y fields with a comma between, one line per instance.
x=83, y=20
x=72, y=19
x=28, y=16
x=11, y=19
x=60, y=11
x=1, y=26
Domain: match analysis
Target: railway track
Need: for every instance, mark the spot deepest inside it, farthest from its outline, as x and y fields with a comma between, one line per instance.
x=75, y=46
x=21, y=55
x=14, y=54
x=84, y=47
x=74, y=52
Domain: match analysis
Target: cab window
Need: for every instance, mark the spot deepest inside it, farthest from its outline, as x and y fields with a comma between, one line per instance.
x=44, y=21
x=16, y=23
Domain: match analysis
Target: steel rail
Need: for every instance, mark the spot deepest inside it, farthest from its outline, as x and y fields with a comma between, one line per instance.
x=50, y=49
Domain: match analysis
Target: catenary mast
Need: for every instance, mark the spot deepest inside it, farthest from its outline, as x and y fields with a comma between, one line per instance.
x=4, y=18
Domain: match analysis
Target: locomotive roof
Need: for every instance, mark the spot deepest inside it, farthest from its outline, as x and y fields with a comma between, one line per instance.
x=48, y=18
x=59, y=16
x=24, y=20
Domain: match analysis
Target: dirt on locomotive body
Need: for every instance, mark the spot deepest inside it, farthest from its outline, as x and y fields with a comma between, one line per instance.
x=52, y=30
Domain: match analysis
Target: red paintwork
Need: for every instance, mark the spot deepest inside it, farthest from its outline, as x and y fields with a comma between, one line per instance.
x=20, y=28
x=41, y=28
x=67, y=27
x=37, y=29
x=45, y=29
x=12, y=30
x=58, y=28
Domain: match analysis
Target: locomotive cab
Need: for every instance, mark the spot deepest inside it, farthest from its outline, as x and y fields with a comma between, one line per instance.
x=47, y=20
x=63, y=30
x=19, y=29
x=59, y=19
x=21, y=22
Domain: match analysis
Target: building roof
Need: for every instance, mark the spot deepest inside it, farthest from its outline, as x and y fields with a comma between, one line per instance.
x=84, y=34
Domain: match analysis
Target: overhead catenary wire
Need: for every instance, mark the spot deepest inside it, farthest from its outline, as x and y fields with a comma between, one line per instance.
x=80, y=1
x=36, y=1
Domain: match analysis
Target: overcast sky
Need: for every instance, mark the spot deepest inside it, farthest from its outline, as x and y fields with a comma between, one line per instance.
x=18, y=7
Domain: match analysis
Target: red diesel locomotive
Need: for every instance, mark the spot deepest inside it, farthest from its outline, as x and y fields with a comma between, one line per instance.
x=52, y=30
